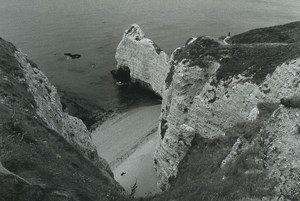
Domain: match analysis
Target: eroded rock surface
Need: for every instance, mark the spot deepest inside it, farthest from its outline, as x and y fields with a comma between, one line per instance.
x=147, y=63
x=213, y=89
x=281, y=137
x=213, y=86
x=49, y=108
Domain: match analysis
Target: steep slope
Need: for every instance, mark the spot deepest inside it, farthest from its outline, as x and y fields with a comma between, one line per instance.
x=45, y=154
x=218, y=87
x=255, y=160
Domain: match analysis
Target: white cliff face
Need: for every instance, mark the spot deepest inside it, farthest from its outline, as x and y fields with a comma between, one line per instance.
x=210, y=109
x=49, y=108
x=175, y=141
x=76, y=133
x=147, y=63
x=45, y=95
x=281, y=138
x=196, y=101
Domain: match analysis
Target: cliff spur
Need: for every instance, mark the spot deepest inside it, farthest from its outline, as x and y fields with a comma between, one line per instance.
x=45, y=154
x=142, y=59
x=222, y=111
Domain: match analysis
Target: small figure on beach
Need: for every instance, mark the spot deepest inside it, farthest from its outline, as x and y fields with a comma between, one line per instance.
x=123, y=173
x=228, y=34
x=133, y=188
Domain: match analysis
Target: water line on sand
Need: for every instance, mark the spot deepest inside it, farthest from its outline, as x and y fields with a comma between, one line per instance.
x=127, y=142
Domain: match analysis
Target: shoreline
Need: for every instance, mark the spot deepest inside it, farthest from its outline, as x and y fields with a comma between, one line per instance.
x=114, y=165
x=124, y=132
x=127, y=142
x=94, y=115
x=138, y=168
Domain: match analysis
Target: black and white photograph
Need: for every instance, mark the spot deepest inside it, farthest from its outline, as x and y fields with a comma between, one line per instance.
x=149, y=100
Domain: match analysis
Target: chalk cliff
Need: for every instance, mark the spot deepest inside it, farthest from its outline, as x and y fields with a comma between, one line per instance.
x=146, y=62
x=210, y=104
x=49, y=108
x=281, y=137
x=214, y=87
x=45, y=154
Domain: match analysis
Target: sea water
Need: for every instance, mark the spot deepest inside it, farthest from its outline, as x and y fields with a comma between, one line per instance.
x=46, y=29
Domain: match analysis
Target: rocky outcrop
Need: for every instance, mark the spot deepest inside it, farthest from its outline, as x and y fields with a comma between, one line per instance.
x=45, y=153
x=281, y=137
x=48, y=105
x=213, y=86
x=238, y=147
x=49, y=108
x=76, y=133
x=145, y=61
x=213, y=100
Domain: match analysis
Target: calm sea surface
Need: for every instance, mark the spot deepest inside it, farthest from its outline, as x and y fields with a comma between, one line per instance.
x=46, y=29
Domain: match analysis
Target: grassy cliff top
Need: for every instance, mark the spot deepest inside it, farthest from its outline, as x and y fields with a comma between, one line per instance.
x=255, y=53
x=286, y=33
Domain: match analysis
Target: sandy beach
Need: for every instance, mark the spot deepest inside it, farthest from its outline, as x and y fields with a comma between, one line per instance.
x=127, y=142
x=138, y=167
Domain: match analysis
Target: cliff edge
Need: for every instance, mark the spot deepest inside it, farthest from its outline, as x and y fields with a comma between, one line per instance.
x=45, y=154
x=222, y=125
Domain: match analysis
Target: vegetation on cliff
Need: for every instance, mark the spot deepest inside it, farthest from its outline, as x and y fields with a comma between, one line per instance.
x=37, y=163
x=286, y=33
x=253, y=54
x=230, y=156
x=200, y=176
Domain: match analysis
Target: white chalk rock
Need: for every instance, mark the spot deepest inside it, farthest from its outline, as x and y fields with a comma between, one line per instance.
x=147, y=63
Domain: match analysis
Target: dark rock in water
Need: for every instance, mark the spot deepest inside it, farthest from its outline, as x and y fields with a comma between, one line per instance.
x=122, y=74
x=291, y=102
x=73, y=56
